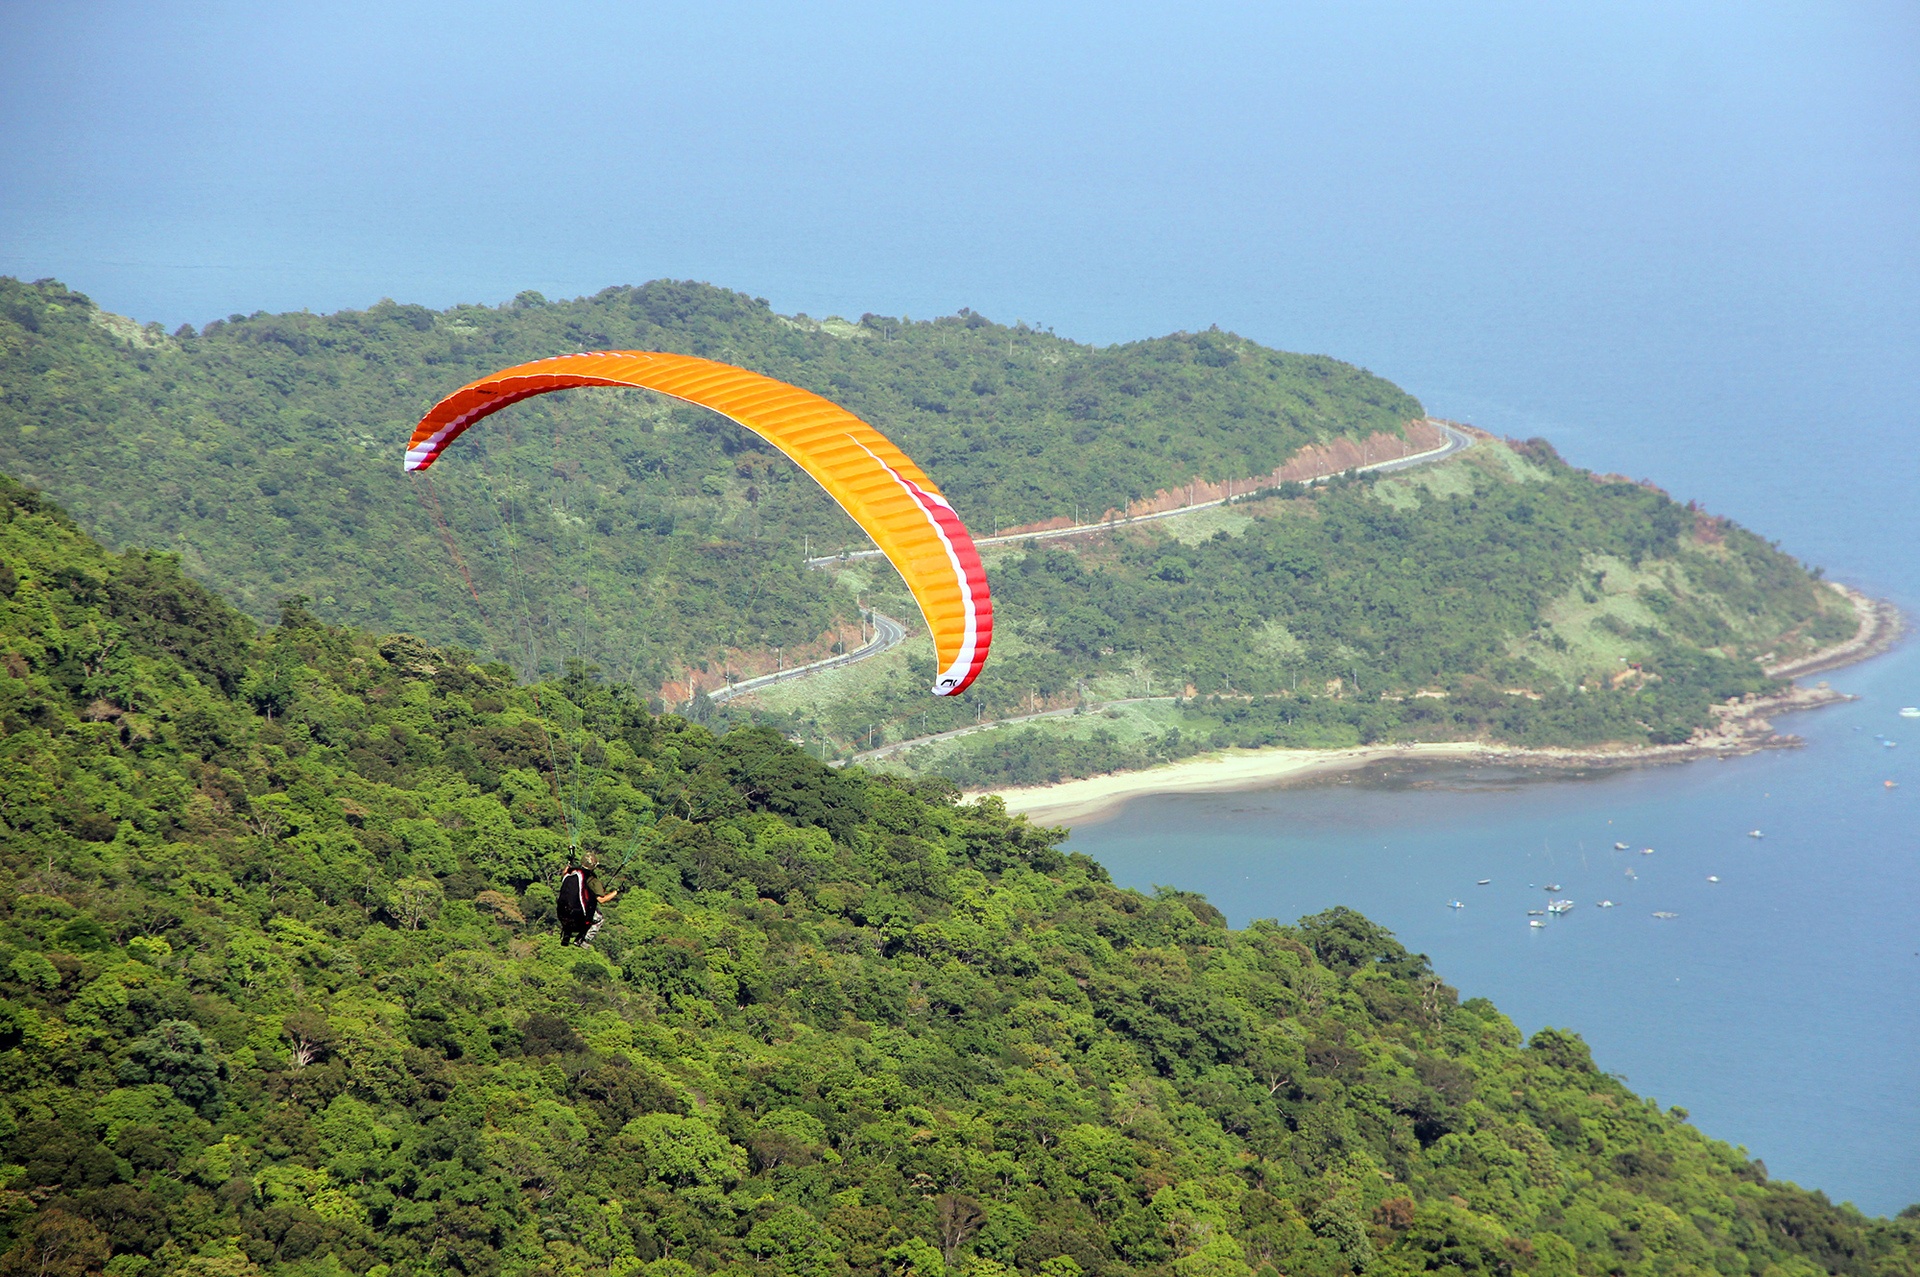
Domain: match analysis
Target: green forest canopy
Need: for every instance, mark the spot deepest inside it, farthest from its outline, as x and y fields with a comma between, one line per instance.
x=279, y=994
x=613, y=526
x=1502, y=595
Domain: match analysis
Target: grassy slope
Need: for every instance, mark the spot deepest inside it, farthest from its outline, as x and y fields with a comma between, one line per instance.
x=278, y=994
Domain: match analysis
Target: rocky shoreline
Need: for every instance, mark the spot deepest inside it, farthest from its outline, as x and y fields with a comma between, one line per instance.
x=1746, y=725
x=1880, y=627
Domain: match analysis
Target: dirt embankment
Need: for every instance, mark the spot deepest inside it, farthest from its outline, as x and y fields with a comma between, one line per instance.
x=746, y=663
x=1315, y=461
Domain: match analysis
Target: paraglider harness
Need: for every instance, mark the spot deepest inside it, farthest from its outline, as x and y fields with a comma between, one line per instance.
x=578, y=905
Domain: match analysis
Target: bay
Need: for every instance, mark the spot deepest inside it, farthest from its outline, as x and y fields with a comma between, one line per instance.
x=1777, y=1006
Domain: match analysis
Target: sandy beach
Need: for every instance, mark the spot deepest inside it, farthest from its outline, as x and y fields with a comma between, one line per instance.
x=1743, y=727
x=1073, y=802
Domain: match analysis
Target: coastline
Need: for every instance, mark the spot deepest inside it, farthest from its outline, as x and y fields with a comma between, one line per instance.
x=1744, y=727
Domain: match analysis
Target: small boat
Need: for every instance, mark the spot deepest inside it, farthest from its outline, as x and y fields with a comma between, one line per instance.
x=1890, y=784
x=1560, y=906
x=1619, y=846
x=1552, y=886
x=1536, y=923
x=1910, y=711
x=1713, y=877
x=1891, y=744
x=1661, y=913
x=1455, y=904
x=1603, y=904
x=1483, y=882
x=1646, y=851
x=1536, y=913
x=1755, y=833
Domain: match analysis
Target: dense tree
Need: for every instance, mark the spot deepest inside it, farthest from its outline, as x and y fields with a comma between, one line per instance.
x=840, y=1024
x=618, y=527
x=1508, y=596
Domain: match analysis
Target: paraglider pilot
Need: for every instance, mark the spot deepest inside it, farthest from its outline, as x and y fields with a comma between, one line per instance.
x=579, y=902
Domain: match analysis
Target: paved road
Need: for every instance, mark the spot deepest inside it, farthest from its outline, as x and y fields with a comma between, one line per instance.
x=887, y=633
x=1456, y=441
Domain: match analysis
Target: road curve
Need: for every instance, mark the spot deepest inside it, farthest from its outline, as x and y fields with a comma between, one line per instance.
x=887, y=633
x=1456, y=441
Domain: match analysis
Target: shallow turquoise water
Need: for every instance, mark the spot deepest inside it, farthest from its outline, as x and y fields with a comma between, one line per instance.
x=1778, y=1007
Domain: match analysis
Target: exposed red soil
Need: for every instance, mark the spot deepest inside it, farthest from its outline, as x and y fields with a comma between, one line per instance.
x=1315, y=461
x=744, y=664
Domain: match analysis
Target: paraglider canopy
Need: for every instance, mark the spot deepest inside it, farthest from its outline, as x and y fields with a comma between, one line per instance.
x=878, y=485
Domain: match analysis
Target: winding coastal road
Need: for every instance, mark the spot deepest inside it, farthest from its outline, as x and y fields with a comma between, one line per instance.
x=889, y=633
x=1455, y=441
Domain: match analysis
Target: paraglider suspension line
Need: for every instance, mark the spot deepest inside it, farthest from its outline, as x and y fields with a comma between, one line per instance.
x=453, y=550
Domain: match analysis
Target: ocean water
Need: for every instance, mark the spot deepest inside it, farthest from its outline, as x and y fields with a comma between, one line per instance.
x=1777, y=1006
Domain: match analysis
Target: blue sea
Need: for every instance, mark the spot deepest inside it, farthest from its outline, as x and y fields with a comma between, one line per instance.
x=1776, y=1006
x=1680, y=241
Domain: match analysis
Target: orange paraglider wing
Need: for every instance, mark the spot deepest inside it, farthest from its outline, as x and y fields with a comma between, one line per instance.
x=874, y=482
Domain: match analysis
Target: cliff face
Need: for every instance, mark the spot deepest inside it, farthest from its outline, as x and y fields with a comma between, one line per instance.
x=279, y=993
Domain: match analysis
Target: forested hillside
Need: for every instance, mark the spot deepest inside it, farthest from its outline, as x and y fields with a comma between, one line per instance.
x=1503, y=595
x=609, y=525
x=279, y=993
